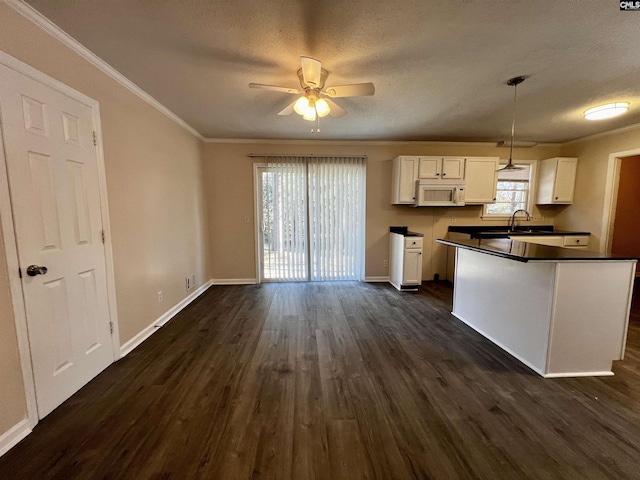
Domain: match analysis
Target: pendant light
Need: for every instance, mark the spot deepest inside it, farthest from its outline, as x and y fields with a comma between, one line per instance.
x=514, y=82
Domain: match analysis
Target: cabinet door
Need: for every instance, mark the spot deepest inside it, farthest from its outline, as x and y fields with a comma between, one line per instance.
x=430, y=167
x=551, y=240
x=565, y=180
x=452, y=168
x=556, y=180
x=481, y=180
x=412, y=267
x=405, y=174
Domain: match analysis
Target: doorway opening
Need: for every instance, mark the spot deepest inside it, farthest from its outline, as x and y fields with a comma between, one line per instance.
x=311, y=216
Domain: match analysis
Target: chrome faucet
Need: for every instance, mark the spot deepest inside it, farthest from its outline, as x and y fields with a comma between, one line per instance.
x=513, y=218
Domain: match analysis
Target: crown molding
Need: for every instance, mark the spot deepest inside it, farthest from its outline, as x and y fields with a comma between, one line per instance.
x=392, y=143
x=31, y=14
x=615, y=131
x=52, y=29
x=272, y=141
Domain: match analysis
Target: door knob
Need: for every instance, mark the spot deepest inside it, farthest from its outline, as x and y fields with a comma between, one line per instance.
x=33, y=270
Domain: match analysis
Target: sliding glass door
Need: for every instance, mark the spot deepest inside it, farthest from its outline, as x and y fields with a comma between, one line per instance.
x=283, y=226
x=312, y=214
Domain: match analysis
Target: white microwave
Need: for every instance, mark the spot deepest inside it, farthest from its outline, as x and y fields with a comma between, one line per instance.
x=439, y=195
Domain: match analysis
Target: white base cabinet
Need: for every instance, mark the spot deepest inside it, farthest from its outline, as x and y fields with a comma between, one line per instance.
x=405, y=261
x=560, y=318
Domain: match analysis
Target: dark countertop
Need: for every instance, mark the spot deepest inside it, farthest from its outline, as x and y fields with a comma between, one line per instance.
x=405, y=231
x=527, y=252
x=480, y=231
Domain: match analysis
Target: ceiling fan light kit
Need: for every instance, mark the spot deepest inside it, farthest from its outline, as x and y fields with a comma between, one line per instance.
x=311, y=104
x=603, y=112
x=514, y=82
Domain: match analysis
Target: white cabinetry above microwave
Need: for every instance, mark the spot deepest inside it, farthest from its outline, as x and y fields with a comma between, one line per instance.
x=441, y=168
x=477, y=174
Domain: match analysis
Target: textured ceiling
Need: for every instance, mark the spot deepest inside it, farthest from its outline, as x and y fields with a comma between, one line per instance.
x=439, y=66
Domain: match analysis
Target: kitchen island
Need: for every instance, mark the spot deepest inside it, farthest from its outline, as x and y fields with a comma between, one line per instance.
x=562, y=312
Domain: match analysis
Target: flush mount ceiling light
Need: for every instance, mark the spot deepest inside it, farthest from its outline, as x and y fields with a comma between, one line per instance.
x=606, y=111
x=514, y=82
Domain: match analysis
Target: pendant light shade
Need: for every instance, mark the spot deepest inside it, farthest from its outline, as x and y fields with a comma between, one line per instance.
x=514, y=82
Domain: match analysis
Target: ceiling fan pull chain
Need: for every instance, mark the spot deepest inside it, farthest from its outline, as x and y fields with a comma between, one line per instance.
x=317, y=129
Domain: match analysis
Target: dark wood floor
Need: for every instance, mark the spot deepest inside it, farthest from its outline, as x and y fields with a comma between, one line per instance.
x=334, y=381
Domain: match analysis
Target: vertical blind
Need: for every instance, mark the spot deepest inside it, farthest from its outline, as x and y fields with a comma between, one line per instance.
x=314, y=212
x=284, y=213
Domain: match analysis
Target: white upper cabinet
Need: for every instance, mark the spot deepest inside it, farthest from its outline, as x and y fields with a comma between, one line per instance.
x=481, y=179
x=403, y=183
x=556, y=181
x=441, y=168
x=478, y=174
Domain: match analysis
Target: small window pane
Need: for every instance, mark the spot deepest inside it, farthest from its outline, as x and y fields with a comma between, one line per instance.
x=512, y=192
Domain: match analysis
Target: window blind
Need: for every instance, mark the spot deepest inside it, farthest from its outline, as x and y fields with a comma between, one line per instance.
x=314, y=218
x=336, y=218
x=285, y=219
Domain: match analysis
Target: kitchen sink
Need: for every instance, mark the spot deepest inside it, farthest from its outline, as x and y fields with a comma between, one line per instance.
x=505, y=232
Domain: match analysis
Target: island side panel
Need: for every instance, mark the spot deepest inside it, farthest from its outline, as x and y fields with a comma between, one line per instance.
x=590, y=317
x=507, y=301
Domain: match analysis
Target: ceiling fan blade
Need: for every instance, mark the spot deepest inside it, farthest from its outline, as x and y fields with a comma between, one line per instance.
x=311, y=71
x=336, y=110
x=355, y=90
x=289, y=109
x=273, y=88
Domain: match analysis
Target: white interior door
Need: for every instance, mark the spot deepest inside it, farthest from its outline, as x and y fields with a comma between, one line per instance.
x=54, y=185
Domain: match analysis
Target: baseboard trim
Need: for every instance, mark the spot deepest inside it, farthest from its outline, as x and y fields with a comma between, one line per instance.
x=579, y=374
x=233, y=281
x=12, y=437
x=376, y=279
x=129, y=346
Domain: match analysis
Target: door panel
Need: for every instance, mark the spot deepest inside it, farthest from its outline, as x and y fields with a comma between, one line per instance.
x=54, y=186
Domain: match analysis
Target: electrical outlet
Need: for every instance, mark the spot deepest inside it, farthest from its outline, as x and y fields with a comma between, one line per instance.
x=453, y=219
x=160, y=296
x=193, y=280
x=544, y=217
x=188, y=283
x=246, y=219
x=385, y=263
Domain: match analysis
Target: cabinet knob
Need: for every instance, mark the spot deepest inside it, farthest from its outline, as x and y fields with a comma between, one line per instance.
x=437, y=174
x=556, y=198
x=494, y=199
x=443, y=174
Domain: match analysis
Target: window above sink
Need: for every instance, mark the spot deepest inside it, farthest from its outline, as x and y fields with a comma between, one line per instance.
x=514, y=191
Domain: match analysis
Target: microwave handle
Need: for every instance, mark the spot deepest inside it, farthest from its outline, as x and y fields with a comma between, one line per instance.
x=455, y=195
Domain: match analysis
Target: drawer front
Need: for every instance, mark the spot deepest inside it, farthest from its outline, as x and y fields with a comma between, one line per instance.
x=576, y=241
x=412, y=242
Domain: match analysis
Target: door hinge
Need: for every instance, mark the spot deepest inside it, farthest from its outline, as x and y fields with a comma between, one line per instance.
x=104, y=236
x=20, y=272
x=95, y=139
x=111, y=327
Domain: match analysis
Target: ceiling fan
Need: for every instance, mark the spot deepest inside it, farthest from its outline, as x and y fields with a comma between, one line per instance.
x=315, y=100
